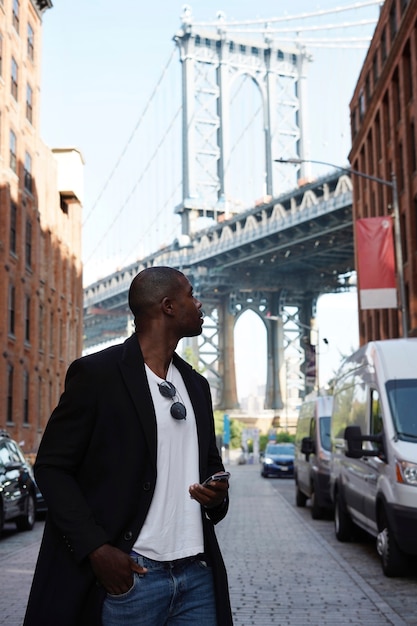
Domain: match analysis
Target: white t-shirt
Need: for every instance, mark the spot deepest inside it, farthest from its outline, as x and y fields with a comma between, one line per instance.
x=173, y=528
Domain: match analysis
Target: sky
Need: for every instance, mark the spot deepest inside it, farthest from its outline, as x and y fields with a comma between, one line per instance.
x=102, y=59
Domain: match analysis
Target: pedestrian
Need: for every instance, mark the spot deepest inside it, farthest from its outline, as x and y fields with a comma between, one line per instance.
x=129, y=537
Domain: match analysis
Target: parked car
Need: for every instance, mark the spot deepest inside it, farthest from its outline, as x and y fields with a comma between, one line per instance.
x=374, y=449
x=278, y=460
x=312, y=455
x=17, y=486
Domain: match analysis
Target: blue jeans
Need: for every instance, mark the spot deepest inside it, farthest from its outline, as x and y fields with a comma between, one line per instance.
x=171, y=593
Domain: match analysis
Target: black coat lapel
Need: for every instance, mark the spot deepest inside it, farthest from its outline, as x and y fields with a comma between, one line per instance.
x=133, y=372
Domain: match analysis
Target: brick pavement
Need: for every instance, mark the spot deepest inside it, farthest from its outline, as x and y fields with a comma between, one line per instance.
x=281, y=571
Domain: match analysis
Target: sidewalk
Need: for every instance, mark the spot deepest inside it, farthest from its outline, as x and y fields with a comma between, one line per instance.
x=281, y=571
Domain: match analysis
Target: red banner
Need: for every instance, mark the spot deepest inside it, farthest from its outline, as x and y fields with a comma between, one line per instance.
x=376, y=263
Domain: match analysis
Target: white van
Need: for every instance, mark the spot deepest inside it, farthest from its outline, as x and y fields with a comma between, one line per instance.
x=312, y=455
x=374, y=449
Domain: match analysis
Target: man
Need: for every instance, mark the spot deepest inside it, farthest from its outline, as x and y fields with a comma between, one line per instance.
x=130, y=537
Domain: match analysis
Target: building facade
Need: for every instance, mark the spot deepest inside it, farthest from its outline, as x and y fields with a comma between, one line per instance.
x=40, y=237
x=384, y=142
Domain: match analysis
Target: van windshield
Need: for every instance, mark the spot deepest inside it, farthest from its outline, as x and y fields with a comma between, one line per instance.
x=402, y=397
x=325, y=432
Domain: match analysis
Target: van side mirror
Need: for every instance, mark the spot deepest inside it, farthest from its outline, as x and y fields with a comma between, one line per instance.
x=354, y=439
x=307, y=446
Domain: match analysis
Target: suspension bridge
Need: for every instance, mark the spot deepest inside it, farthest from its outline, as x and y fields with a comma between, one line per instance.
x=197, y=186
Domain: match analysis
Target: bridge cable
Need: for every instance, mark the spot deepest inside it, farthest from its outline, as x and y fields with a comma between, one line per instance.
x=129, y=141
x=138, y=181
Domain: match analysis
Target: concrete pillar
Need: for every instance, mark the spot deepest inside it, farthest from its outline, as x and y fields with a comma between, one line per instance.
x=275, y=363
x=228, y=397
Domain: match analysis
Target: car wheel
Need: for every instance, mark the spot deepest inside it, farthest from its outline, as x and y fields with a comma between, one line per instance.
x=343, y=525
x=394, y=562
x=316, y=510
x=300, y=497
x=27, y=521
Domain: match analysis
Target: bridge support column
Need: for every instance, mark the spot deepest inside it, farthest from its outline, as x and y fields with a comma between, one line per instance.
x=275, y=356
x=306, y=315
x=228, y=398
x=275, y=363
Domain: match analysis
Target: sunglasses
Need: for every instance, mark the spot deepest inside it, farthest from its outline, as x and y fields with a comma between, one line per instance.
x=178, y=410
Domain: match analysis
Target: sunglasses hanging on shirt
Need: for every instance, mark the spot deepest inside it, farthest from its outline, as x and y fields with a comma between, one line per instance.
x=168, y=390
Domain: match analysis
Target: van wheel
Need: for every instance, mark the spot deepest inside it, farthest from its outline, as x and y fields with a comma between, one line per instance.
x=343, y=525
x=27, y=521
x=300, y=497
x=316, y=510
x=394, y=562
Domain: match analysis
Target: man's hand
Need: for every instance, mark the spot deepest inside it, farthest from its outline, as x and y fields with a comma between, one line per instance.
x=210, y=496
x=113, y=569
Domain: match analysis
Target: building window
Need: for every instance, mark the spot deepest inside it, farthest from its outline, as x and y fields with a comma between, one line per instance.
x=28, y=244
x=407, y=73
x=367, y=90
x=13, y=154
x=10, y=372
x=26, y=397
x=15, y=17
x=13, y=227
x=386, y=117
x=361, y=105
x=375, y=71
x=51, y=333
x=31, y=42
x=41, y=328
x=384, y=46
x=27, y=319
x=393, y=21
x=29, y=103
x=28, y=172
x=14, y=86
x=12, y=309
x=396, y=95
x=401, y=167
x=413, y=140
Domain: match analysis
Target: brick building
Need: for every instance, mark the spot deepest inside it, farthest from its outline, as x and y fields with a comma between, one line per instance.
x=40, y=237
x=384, y=141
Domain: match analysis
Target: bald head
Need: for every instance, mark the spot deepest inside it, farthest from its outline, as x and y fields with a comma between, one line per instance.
x=150, y=287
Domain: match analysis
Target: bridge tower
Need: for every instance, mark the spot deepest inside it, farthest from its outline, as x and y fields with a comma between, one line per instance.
x=211, y=61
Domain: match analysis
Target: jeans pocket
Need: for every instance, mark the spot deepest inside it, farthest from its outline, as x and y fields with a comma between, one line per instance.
x=122, y=596
x=202, y=564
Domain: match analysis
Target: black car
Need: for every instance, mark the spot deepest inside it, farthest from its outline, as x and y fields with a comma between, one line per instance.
x=17, y=486
x=278, y=460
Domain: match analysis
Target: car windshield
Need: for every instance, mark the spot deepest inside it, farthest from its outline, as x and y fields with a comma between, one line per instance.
x=324, y=423
x=280, y=449
x=402, y=397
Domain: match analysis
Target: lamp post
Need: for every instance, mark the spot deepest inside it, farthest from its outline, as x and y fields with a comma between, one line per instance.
x=397, y=228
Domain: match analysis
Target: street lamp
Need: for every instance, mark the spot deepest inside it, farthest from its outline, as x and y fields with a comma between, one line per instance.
x=397, y=228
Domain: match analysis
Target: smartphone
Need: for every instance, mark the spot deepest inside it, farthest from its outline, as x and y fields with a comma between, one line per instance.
x=221, y=476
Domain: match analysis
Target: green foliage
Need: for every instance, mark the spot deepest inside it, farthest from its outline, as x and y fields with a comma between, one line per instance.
x=235, y=429
x=281, y=437
x=285, y=437
x=191, y=357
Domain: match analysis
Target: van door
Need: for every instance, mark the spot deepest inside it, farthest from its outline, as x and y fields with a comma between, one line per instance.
x=355, y=471
x=303, y=466
x=374, y=464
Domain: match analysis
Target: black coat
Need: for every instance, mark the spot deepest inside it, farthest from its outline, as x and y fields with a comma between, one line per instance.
x=96, y=467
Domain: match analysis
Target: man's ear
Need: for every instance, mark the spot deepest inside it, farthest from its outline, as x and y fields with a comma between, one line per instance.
x=167, y=306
